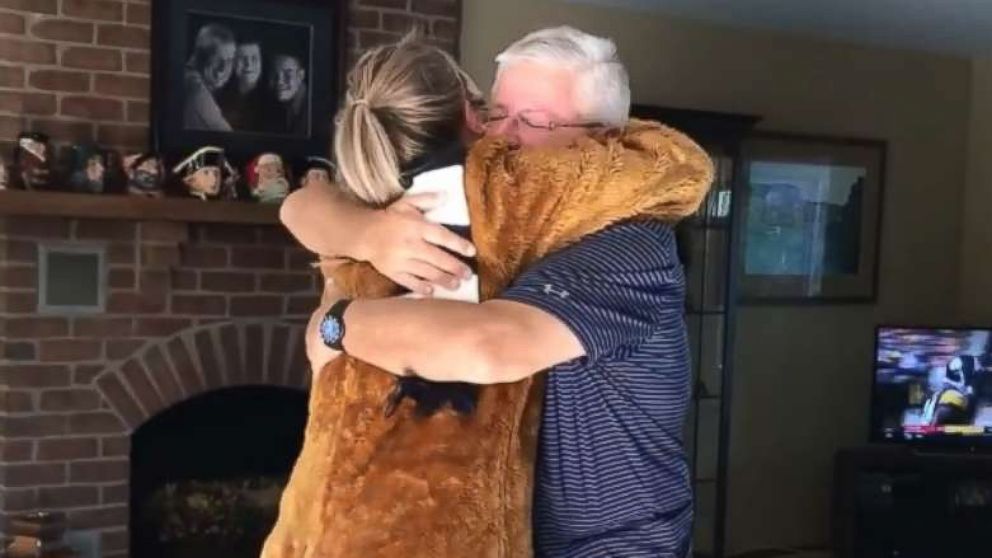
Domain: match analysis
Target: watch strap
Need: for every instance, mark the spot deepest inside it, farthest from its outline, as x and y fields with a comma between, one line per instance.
x=334, y=321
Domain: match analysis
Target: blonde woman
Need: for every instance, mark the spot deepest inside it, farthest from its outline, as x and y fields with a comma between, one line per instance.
x=378, y=479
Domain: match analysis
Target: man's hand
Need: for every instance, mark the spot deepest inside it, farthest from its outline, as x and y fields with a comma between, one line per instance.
x=412, y=251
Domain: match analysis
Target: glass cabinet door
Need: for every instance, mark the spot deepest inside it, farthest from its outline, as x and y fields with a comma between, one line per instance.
x=704, y=243
x=707, y=247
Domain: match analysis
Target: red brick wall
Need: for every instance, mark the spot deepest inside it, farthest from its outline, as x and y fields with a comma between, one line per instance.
x=190, y=308
x=78, y=70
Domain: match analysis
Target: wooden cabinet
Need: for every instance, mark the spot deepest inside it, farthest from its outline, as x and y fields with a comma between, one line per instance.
x=897, y=502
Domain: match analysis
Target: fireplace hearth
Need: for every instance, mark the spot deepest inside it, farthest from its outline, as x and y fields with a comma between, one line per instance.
x=207, y=473
x=198, y=325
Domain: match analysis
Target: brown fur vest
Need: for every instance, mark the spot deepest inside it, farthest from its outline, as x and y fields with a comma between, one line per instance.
x=368, y=486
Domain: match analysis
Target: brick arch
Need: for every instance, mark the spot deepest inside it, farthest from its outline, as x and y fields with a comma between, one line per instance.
x=202, y=359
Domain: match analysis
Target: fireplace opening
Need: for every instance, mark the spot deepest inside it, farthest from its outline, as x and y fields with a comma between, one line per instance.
x=207, y=473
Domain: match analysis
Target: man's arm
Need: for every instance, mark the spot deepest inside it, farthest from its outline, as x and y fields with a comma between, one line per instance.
x=553, y=314
x=398, y=241
x=448, y=341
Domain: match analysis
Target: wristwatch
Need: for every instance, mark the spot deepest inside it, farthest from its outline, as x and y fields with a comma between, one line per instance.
x=332, y=325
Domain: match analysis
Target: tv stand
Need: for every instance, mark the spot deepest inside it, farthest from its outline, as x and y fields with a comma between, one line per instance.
x=894, y=501
x=963, y=452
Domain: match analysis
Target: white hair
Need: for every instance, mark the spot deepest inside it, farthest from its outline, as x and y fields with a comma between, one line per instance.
x=603, y=86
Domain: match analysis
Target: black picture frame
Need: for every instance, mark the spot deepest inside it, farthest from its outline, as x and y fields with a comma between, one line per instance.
x=843, y=246
x=318, y=25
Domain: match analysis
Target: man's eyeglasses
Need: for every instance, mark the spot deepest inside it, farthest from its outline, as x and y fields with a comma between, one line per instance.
x=533, y=119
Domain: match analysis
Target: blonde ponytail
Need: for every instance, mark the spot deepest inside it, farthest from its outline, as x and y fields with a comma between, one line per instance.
x=365, y=155
x=403, y=100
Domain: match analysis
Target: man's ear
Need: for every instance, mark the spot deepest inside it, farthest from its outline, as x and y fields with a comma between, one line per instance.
x=473, y=119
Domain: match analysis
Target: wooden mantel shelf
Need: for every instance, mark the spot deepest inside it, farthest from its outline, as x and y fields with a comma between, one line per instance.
x=110, y=206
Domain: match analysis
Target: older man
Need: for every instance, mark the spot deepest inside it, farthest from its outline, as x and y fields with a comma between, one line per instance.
x=207, y=71
x=602, y=317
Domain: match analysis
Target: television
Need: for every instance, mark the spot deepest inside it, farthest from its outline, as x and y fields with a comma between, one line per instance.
x=933, y=386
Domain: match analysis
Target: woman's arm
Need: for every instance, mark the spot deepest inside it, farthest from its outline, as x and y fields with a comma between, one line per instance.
x=325, y=221
x=397, y=241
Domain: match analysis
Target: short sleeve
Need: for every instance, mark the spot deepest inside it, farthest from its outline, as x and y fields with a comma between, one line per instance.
x=612, y=289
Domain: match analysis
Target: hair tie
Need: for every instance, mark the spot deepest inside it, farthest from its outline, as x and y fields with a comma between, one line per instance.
x=360, y=102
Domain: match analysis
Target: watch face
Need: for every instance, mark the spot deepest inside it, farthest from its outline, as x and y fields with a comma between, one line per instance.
x=330, y=330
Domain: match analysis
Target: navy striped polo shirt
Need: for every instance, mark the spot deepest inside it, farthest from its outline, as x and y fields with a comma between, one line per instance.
x=612, y=477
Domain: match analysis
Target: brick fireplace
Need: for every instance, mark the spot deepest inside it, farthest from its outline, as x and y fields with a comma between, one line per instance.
x=201, y=302
x=190, y=309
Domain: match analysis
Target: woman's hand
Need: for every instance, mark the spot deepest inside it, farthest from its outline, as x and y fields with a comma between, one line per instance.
x=413, y=252
x=398, y=241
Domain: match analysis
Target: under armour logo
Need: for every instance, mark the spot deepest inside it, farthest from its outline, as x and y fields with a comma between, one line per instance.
x=549, y=289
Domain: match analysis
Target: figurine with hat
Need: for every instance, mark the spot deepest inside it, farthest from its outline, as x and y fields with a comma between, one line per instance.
x=145, y=175
x=316, y=170
x=267, y=180
x=89, y=169
x=33, y=160
x=206, y=174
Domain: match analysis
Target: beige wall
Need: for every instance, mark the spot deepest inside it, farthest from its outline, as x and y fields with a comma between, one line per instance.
x=802, y=381
x=976, y=245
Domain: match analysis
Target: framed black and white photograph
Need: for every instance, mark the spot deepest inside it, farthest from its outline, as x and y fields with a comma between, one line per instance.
x=812, y=211
x=246, y=75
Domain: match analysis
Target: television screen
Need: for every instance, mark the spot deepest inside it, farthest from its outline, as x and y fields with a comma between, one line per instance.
x=933, y=385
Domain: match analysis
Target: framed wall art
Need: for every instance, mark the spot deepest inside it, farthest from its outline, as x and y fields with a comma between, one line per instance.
x=812, y=211
x=247, y=76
